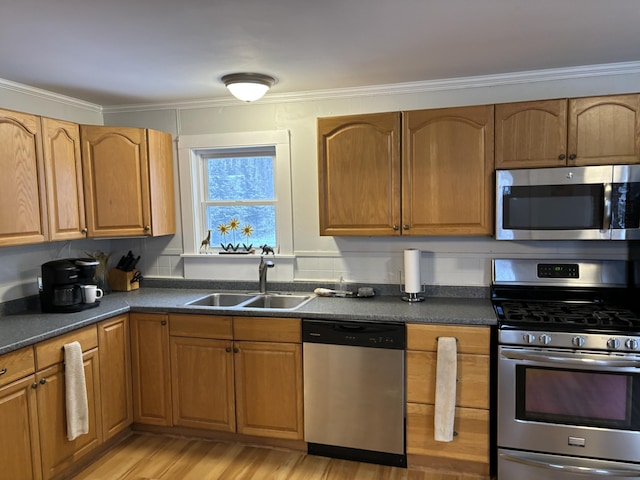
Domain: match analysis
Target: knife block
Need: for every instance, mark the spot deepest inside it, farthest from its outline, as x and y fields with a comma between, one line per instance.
x=120, y=281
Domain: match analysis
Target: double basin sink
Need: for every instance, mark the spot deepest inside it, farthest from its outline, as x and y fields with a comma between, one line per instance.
x=238, y=301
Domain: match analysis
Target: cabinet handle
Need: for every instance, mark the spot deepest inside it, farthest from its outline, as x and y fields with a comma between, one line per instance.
x=3, y=371
x=43, y=381
x=85, y=231
x=572, y=156
x=163, y=322
x=562, y=156
x=34, y=385
x=406, y=227
x=396, y=228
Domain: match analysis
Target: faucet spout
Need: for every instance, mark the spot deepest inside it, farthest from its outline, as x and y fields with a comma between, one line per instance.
x=262, y=273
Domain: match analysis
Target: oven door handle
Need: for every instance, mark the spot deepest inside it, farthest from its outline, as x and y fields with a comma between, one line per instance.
x=570, y=359
x=589, y=467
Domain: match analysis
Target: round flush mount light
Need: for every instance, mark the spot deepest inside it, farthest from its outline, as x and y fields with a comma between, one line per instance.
x=248, y=87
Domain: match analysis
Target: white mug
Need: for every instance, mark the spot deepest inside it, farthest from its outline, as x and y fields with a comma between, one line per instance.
x=91, y=293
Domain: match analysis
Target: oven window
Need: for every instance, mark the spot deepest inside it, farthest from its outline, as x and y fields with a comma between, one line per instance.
x=575, y=397
x=553, y=207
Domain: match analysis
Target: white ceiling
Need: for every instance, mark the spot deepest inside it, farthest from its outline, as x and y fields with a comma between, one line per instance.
x=123, y=52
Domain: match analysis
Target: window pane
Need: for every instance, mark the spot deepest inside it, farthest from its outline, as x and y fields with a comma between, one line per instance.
x=261, y=218
x=244, y=178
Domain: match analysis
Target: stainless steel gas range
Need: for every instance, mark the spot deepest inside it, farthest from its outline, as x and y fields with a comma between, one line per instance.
x=568, y=370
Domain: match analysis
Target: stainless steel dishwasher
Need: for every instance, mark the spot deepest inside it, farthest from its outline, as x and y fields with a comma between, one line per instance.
x=354, y=394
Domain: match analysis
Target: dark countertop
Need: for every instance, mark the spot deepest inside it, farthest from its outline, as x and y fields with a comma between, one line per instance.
x=31, y=326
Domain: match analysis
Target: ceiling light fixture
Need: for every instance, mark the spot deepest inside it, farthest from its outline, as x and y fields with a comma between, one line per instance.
x=248, y=87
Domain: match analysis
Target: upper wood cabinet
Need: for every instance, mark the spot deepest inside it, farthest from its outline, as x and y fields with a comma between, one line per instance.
x=128, y=181
x=63, y=170
x=22, y=183
x=447, y=171
x=580, y=131
x=441, y=183
x=359, y=174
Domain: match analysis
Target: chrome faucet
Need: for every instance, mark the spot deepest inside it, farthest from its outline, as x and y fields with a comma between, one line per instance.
x=262, y=272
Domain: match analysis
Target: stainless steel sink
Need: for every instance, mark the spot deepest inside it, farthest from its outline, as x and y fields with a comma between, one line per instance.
x=222, y=299
x=278, y=301
x=240, y=301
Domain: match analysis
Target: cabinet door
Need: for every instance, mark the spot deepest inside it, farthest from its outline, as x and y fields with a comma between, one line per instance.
x=269, y=389
x=115, y=375
x=359, y=174
x=58, y=453
x=19, y=437
x=22, y=184
x=63, y=168
x=604, y=130
x=531, y=134
x=202, y=383
x=116, y=181
x=150, y=369
x=447, y=170
x=163, y=205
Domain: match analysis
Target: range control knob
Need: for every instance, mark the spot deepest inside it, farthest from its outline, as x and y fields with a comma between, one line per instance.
x=577, y=341
x=528, y=338
x=613, y=343
x=631, y=344
x=545, y=339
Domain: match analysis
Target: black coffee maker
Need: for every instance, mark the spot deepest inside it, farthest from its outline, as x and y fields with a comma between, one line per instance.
x=62, y=282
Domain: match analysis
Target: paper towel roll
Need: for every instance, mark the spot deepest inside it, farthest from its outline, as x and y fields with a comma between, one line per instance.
x=412, y=282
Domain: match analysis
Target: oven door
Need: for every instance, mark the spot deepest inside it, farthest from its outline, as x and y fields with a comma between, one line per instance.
x=517, y=465
x=568, y=402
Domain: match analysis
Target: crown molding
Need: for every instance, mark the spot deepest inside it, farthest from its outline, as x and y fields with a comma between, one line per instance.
x=515, y=78
x=49, y=96
x=482, y=81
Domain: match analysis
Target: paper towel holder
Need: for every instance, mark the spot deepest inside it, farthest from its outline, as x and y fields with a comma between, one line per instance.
x=412, y=297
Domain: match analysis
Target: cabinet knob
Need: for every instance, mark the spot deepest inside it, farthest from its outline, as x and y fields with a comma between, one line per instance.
x=34, y=385
x=405, y=227
x=235, y=350
x=572, y=156
x=147, y=228
x=228, y=349
x=85, y=231
x=396, y=228
x=43, y=381
x=3, y=371
x=562, y=156
x=163, y=322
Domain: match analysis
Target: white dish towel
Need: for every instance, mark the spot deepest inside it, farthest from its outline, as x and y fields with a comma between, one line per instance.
x=446, y=373
x=75, y=392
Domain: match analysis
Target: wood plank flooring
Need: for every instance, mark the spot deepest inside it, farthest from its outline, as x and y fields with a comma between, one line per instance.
x=159, y=457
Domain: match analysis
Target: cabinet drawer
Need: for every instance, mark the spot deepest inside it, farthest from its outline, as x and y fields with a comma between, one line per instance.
x=472, y=388
x=201, y=326
x=471, y=442
x=15, y=365
x=267, y=329
x=50, y=351
x=470, y=339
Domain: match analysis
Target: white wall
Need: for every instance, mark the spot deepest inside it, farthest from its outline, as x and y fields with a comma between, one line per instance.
x=446, y=261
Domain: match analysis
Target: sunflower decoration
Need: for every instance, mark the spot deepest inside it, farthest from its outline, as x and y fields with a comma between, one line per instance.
x=233, y=226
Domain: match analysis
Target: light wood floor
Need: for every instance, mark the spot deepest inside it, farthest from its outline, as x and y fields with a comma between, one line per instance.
x=156, y=457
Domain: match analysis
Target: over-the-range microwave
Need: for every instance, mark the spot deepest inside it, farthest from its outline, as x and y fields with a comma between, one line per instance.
x=568, y=203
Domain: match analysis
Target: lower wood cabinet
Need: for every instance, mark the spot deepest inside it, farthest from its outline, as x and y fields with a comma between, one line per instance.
x=469, y=450
x=228, y=374
x=150, y=368
x=19, y=434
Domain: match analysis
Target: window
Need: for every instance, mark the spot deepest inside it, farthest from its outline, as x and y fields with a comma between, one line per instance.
x=240, y=185
x=243, y=176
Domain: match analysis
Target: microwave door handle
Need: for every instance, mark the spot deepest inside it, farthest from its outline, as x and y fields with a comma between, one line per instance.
x=594, y=467
x=606, y=215
x=570, y=359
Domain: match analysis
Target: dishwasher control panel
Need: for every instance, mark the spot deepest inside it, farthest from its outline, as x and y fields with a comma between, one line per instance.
x=361, y=334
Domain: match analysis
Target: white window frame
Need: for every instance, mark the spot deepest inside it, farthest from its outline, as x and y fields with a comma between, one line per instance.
x=190, y=160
